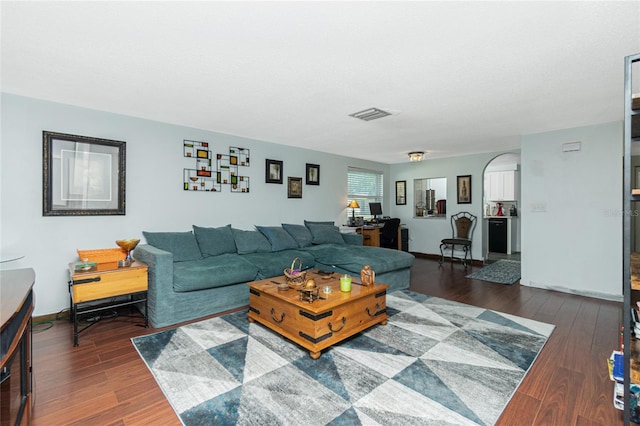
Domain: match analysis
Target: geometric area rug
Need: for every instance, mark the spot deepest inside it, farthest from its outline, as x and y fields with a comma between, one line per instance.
x=502, y=272
x=435, y=362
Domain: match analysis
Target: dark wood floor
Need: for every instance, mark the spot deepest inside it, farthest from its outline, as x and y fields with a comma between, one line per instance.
x=104, y=382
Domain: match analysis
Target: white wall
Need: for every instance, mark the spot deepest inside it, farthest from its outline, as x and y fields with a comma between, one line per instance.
x=155, y=199
x=571, y=211
x=425, y=234
x=576, y=244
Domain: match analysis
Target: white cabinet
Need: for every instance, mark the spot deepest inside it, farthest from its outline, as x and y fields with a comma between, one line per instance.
x=500, y=186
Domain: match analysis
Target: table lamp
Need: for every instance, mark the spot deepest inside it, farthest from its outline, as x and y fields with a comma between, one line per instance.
x=353, y=205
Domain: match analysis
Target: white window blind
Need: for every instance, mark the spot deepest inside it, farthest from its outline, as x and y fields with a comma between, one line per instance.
x=364, y=186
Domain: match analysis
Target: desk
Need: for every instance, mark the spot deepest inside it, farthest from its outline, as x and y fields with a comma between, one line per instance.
x=371, y=235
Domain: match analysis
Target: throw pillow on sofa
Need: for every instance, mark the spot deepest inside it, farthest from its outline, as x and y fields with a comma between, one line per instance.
x=319, y=222
x=215, y=241
x=325, y=234
x=278, y=237
x=250, y=241
x=300, y=233
x=182, y=245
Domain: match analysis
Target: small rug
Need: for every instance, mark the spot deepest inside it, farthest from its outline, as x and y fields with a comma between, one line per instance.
x=502, y=272
x=435, y=362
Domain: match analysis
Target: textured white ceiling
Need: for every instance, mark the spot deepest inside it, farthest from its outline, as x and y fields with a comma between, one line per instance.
x=459, y=77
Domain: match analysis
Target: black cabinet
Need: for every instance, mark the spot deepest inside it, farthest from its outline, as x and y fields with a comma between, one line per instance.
x=404, y=237
x=498, y=235
x=16, y=308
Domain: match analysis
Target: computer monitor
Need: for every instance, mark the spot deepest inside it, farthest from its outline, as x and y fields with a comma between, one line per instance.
x=375, y=209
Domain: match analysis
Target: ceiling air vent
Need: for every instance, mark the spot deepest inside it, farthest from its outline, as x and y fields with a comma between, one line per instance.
x=370, y=114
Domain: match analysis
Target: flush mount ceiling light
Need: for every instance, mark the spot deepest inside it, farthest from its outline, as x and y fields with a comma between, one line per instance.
x=370, y=114
x=416, y=156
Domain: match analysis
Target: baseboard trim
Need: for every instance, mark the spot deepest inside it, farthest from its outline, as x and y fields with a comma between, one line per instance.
x=593, y=294
x=51, y=317
x=473, y=262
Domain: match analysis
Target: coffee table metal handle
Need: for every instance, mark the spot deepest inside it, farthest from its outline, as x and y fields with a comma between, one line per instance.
x=344, y=321
x=276, y=319
x=376, y=312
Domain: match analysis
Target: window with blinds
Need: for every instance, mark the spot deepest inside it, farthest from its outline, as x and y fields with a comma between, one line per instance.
x=364, y=186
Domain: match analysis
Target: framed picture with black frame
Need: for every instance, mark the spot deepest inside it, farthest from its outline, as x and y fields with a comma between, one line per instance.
x=401, y=192
x=464, y=189
x=313, y=174
x=294, y=187
x=273, y=171
x=82, y=175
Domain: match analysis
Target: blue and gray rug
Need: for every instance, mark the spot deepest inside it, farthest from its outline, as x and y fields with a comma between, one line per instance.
x=501, y=272
x=435, y=362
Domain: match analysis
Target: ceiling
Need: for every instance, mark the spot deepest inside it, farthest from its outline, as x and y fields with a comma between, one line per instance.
x=458, y=77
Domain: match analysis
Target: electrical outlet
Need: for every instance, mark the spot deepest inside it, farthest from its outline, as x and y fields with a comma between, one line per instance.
x=538, y=207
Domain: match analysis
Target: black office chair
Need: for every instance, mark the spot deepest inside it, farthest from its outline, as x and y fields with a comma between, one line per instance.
x=389, y=233
x=462, y=225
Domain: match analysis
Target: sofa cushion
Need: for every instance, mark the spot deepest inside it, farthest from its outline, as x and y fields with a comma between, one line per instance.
x=321, y=222
x=213, y=271
x=278, y=238
x=354, y=239
x=182, y=245
x=300, y=233
x=353, y=258
x=215, y=241
x=250, y=241
x=325, y=234
x=274, y=264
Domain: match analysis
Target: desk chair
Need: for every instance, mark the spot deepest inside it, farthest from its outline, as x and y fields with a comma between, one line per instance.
x=462, y=225
x=389, y=233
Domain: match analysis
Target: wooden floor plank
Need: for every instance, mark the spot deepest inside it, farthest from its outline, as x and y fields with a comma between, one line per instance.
x=559, y=405
x=522, y=409
x=104, y=382
x=579, y=346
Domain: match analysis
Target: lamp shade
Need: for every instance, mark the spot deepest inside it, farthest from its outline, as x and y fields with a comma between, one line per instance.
x=353, y=205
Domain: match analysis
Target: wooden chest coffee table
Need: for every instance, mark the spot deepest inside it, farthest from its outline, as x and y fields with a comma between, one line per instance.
x=322, y=323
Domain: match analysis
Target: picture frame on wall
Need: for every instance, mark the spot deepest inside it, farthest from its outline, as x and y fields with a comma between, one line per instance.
x=273, y=171
x=313, y=174
x=82, y=175
x=294, y=187
x=464, y=189
x=401, y=192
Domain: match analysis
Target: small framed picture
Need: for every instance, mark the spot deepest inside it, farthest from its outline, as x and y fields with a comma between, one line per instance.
x=401, y=192
x=464, y=189
x=313, y=174
x=294, y=187
x=273, y=171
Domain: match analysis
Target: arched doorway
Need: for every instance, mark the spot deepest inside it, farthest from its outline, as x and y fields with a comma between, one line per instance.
x=501, y=236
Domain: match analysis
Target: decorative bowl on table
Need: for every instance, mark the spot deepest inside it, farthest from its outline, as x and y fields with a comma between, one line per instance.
x=128, y=246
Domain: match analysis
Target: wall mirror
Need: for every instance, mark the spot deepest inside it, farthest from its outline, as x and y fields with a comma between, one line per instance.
x=430, y=197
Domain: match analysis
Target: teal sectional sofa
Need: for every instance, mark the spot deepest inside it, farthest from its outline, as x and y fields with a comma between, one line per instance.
x=203, y=272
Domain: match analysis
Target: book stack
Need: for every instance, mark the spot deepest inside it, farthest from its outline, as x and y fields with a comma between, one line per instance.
x=616, y=374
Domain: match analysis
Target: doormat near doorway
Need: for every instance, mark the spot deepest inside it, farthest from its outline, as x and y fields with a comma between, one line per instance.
x=435, y=362
x=501, y=272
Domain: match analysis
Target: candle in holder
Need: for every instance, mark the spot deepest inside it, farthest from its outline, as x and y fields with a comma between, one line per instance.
x=345, y=283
